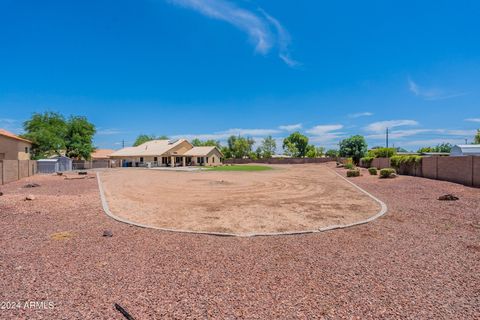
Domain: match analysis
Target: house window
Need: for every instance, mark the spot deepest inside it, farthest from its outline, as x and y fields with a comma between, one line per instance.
x=26, y=149
x=213, y=159
x=141, y=159
x=206, y=159
x=155, y=159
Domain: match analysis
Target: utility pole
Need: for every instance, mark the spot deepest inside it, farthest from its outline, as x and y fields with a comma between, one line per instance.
x=123, y=143
x=466, y=141
x=387, y=137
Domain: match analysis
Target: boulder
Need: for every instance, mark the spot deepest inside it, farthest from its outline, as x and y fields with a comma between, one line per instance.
x=448, y=197
x=30, y=197
x=31, y=185
x=107, y=233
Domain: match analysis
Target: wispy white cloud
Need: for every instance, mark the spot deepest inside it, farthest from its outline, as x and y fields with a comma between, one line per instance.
x=13, y=125
x=109, y=132
x=291, y=127
x=224, y=135
x=432, y=94
x=326, y=135
x=432, y=142
x=323, y=129
x=473, y=119
x=263, y=30
x=383, y=125
x=360, y=114
x=398, y=134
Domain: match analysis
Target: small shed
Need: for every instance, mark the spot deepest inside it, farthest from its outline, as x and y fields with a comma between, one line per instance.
x=465, y=150
x=56, y=164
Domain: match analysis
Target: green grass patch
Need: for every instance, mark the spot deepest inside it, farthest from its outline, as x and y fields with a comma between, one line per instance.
x=240, y=168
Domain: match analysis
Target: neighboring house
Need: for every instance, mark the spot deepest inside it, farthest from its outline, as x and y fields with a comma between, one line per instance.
x=13, y=147
x=102, y=154
x=172, y=153
x=466, y=150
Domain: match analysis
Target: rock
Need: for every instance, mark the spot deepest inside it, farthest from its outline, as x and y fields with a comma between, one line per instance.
x=30, y=197
x=59, y=173
x=31, y=185
x=82, y=173
x=393, y=175
x=448, y=197
x=1, y=193
x=107, y=233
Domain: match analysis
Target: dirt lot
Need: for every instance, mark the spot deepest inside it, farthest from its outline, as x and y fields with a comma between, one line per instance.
x=419, y=261
x=287, y=199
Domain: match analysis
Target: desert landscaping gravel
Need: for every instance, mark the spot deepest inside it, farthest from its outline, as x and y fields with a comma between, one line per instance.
x=419, y=261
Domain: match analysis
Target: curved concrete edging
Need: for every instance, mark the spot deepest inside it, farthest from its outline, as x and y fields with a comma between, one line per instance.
x=382, y=211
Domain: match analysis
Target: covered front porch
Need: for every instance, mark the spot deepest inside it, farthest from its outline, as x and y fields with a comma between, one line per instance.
x=165, y=161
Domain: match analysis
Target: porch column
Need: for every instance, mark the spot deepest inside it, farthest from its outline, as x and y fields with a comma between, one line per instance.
x=184, y=161
x=172, y=159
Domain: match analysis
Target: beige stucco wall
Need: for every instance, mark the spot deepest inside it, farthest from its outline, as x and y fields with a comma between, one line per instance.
x=12, y=149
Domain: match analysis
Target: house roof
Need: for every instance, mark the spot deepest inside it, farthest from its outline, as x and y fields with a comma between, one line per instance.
x=8, y=134
x=467, y=148
x=200, y=151
x=102, y=153
x=150, y=148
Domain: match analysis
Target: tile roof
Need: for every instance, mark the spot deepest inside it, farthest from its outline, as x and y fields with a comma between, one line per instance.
x=199, y=151
x=102, y=153
x=150, y=148
x=8, y=134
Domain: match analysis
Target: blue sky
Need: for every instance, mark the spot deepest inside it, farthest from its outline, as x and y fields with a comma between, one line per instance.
x=211, y=68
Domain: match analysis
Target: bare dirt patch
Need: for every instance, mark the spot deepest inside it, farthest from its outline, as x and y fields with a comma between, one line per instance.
x=288, y=199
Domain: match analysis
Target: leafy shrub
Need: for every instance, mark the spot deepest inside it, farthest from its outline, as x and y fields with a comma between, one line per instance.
x=387, y=173
x=349, y=166
x=373, y=171
x=382, y=152
x=366, y=161
x=353, y=173
x=397, y=161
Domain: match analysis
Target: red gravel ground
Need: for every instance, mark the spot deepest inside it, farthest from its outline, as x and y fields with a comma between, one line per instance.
x=420, y=261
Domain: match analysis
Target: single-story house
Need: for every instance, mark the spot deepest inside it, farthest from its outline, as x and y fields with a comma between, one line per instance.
x=102, y=154
x=465, y=150
x=168, y=153
x=12, y=147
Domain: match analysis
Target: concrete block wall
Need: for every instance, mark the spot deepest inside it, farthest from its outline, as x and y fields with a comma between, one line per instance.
x=13, y=170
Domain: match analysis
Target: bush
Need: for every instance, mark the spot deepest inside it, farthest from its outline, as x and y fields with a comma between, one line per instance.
x=382, y=152
x=349, y=166
x=373, y=171
x=366, y=161
x=397, y=161
x=353, y=173
x=387, y=173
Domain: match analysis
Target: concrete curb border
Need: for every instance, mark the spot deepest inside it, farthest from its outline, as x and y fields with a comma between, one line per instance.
x=382, y=211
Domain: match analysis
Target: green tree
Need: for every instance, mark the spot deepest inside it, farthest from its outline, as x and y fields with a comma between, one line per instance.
x=259, y=153
x=354, y=147
x=207, y=143
x=47, y=131
x=476, y=140
x=268, y=147
x=314, y=152
x=142, y=138
x=332, y=153
x=52, y=135
x=442, y=147
x=382, y=152
x=79, y=138
x=227, y=153
x=240, y=147
x=295, y=145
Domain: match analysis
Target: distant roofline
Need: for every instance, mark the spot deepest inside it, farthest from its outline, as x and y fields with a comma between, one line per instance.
x=8, y=134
